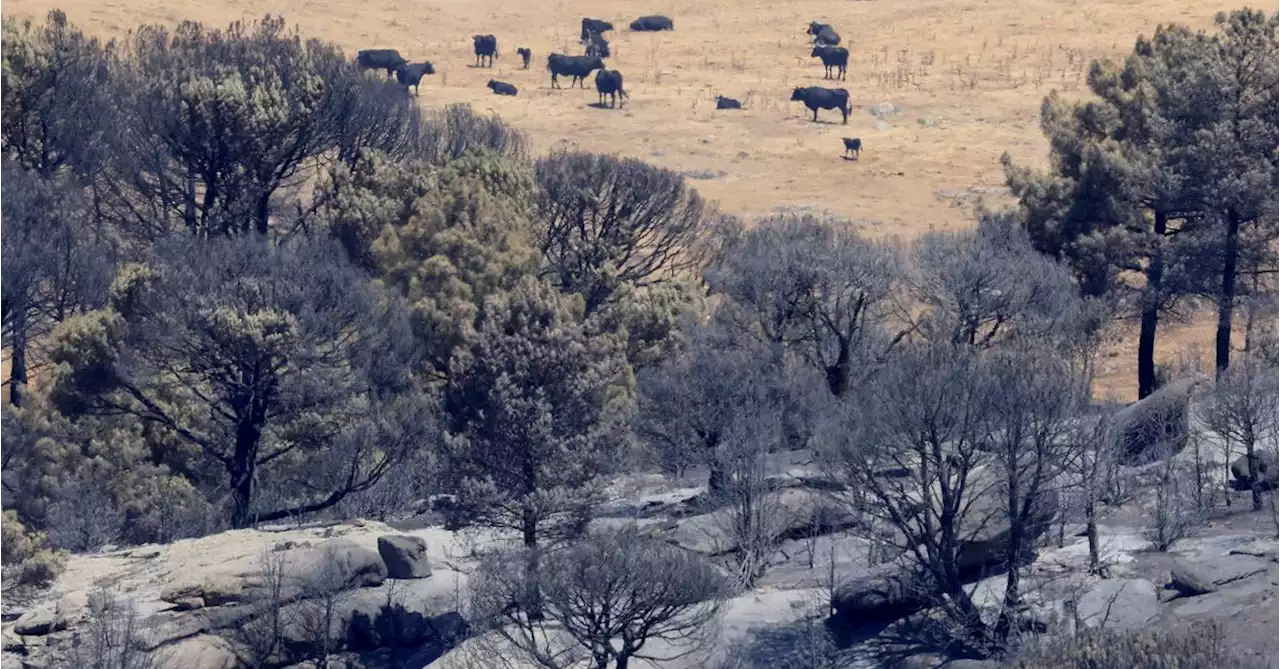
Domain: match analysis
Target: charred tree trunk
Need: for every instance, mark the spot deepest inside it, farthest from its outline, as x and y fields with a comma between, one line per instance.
x=1151, y=311
x=18, y=359
x=1227, y=296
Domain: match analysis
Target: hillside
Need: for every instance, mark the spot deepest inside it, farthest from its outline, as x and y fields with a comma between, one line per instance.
x=964, y=80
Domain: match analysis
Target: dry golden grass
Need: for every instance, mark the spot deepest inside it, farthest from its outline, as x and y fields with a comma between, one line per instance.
x=966, y=75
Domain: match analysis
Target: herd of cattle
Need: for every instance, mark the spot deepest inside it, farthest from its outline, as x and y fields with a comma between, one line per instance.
x=826, y=46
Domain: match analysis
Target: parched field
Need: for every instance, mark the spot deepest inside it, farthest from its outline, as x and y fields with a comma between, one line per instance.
x=963, y=78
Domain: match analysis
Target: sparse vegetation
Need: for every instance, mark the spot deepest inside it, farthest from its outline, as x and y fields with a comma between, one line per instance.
x=247, y=282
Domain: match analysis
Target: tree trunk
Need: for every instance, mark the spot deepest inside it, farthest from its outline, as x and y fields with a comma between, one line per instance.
x=243, y=467
x=1254, y=487
x=529, y=532
x=838, y=372
x=1227, y=295
x=1151, y=311
x=1091, y=530
x=263, y=214
x=18, y=358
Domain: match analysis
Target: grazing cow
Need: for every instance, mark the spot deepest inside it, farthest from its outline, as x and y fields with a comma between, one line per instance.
x=596, y=26
x=652, y=24
x=525, y=56
x=853, y=144
x=410, y=74
x=727, y=103
x=486, y=47
x=501, y=87
x=816, y=97
x=578, y=67
x=832, y=57
x=609, y=82
x=597, y=46
x=380, y=59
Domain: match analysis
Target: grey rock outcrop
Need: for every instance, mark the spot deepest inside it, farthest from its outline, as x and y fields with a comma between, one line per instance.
x=404, y=556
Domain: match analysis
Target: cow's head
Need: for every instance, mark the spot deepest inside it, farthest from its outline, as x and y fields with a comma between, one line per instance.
x=797, y=94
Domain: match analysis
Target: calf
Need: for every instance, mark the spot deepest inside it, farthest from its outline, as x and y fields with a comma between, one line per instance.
x=410, y=74
x=380, y=59
x=501, y=87
x=595, y=26
x=832, y=57
x=486, y=48
x=525, y=56
x=727, y=103
x=816, y=97
x=578, y=67
x=652, y=24
x=609, y=82
x=853, y=144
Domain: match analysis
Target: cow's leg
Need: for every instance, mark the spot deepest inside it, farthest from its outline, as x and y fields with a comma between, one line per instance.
x=815, y=114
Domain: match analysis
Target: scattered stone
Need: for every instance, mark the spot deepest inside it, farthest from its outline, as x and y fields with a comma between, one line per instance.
x=1230, y=568
x=1156, y=426
x=1189, y=580
x=1119, y=604
x=189, y=604
x=1268, y=471
x=884, y=110
x=881, y=125
x=211, y=589
x=1262, y=548
x=405, y=556
x=38, y=622
x=204, y=651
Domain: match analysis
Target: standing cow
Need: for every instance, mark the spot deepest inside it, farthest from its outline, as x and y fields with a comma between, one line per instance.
x=836, y=57
x=410, y=74
x=380, y=59
x=816, y=97
x=525, y=56
x=578, y=67
x=609, y=82
x=486, y=48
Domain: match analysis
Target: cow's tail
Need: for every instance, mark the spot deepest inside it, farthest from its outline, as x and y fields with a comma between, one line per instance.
x=623, y=93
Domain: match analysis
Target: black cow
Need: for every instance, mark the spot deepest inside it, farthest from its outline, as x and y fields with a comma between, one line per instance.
x=609, y=82
x=727, y=103
x=380, y=59
x=597, y=46
x=652, y=24
x=853, y=144
x=578, y=67
x=486, y=47
x=828, y=37
x=596, y=26
x=816, y=97
x=410, y=74
x=832, y=56
x=815, y=28
x=525, y=56
x=501, y=87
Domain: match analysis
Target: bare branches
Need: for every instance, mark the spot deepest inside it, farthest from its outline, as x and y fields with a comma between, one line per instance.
x=608, y=221
x=816, y=286
x=612, y=597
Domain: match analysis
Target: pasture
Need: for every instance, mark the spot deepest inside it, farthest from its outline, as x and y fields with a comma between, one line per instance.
x=939, y=88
